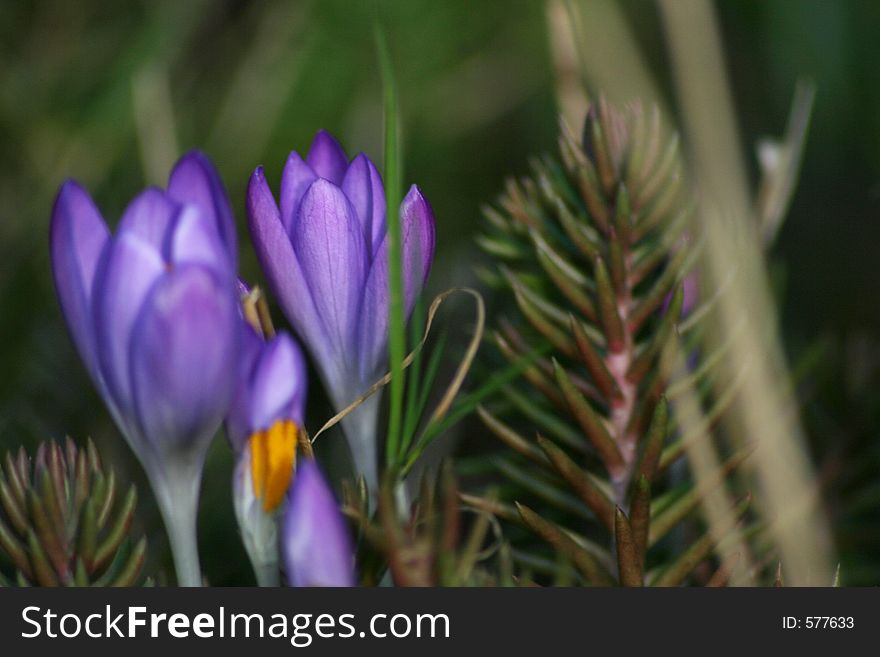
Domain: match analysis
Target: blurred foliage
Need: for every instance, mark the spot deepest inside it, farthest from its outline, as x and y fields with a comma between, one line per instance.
x=111, y=93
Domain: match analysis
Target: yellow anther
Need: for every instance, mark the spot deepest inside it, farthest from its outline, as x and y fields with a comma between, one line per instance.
x=255, y=309
x=273, y=454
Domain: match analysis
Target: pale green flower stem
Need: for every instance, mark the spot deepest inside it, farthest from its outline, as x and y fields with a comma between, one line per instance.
x=259, y=529
x=177, y=493
x=267, y=574
x=360, y=432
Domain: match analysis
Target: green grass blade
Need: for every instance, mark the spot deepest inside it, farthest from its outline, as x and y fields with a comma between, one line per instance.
x=414, y=380
x=396, y=332
x=423, y=390
x=468, y=403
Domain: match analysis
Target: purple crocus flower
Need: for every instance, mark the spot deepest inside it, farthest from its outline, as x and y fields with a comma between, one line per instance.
x=152, y=311
x=272, y=387
x=325, y=252
x=263, y=424
x=316, y=543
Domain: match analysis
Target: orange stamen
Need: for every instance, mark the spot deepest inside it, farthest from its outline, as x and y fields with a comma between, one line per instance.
x=273, y=455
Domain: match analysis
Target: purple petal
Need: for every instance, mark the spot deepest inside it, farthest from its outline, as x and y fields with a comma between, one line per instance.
x=417, y=230
x=272, y=386
x=417, y=234
x=195, y=180
x=363, y=187
x=276, y=255
x=132, y=262
x=278, y=386
x=183, y=358
x=373, y=320
x=316, y=543
x=238, y=424
x=295, y=180
x=330, y=249
x=149, y=218
x=127, y=273
x=77, y=237
x=193, y=239
x=327, y=158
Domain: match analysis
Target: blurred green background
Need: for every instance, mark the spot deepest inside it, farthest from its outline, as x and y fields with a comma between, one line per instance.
x=112, y=92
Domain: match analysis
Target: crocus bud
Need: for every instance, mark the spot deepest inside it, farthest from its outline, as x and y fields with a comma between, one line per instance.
x=263, y=427
x=325, y=252
x=316, y=543
x=153, y=313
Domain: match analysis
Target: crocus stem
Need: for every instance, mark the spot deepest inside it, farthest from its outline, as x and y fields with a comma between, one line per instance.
x=267, y=574
x=360, y=432
x=177, y=493
x=262, y=549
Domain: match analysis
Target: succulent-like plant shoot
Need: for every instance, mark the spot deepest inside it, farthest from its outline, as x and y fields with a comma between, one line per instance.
x=597, y=250
x=61, y=523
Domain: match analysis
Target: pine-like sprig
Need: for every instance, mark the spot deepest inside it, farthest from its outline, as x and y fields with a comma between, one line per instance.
x=596, y=248
x=61, y=523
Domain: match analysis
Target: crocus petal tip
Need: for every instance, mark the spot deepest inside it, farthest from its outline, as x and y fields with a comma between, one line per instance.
x=327, y=158
x=192, y=156
x=317, y=546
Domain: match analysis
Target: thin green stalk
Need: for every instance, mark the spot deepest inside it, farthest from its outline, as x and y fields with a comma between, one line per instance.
x=430, y=374
x=414, y=380
x=466, y=404
x=396, y=329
